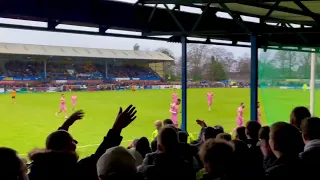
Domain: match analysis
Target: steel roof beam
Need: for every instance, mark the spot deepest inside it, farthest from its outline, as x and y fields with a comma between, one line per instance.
x=314, y=16
x=235, y=17
x=207, y=1
x=275, y=5
x=278, y=8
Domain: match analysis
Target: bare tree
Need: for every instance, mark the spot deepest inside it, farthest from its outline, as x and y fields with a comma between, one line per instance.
x=225, y=57
x=197, y=56
x=168, y=67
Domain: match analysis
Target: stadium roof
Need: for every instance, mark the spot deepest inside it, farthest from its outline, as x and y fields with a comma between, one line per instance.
x=41, y=50
x=146, y=18
x=273, y=28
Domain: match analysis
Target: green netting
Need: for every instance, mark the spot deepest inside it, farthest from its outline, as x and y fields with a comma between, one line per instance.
x=284, y=78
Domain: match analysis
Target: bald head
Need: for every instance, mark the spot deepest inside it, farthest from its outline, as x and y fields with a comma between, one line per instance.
x=158, y=124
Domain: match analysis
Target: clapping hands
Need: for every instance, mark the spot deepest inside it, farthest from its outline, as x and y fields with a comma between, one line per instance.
x=124, y=118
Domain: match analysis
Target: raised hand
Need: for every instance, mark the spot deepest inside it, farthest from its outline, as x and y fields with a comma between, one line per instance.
x=124, y=118
x=201, y=123
x=78, y=115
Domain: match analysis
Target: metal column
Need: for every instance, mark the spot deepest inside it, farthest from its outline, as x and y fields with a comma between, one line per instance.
x=184, y=83
x=254, y=78
x=312, y=82
x=106, y=68
x=45, y=69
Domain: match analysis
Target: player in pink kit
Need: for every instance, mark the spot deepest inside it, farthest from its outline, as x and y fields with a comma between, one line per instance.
x=74, y=99
x=259, y=113
x=174, y=109
x=239, y=119
x=174, y=96
x=209, y=99
x=63, y=106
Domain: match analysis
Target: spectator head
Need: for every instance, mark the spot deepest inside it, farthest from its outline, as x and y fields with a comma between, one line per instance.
x=224, y=136
x=285, y=139
x=167, y=140
x=60, y=140
x=178, y=102
x=116, y=160
x=298, y=114
x=158, y=124
x=264, y=136
x=310, y=129
x=167, y=122
x=264, y=133
x=143, y=146
x=241, y=133
x=252, y=129
x=216, y=156
x=183, y=136
x=209, y=133
x=219, y=129
x=11, y=167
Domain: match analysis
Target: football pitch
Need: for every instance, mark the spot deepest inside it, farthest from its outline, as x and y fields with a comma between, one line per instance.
x=26, y=124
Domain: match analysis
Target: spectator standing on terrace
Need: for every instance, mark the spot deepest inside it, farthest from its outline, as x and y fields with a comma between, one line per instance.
x=117, y=163
x=12, y=167
x=311, y=154
x=268, y=156
x=158, y=125
x=217, y=156
x=298, y=114
x=167, y=163
x=241, y=134
x=285, y=141
x=256, y=157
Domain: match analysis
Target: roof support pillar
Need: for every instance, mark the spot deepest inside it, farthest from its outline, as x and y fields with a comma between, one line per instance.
x=184, y=82
x=254, y=78
x=312, y=81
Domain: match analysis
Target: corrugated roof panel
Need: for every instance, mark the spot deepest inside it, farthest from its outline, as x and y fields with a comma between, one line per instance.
x=8, y=48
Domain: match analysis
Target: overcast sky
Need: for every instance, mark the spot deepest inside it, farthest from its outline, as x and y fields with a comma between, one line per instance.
x=76, y=40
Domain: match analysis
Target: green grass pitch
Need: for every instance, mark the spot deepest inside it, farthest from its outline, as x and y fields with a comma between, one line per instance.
x=25, y=125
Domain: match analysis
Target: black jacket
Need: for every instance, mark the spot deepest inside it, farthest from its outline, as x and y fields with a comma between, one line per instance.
x=86, y=167
x=53, y=165
x=168, y=166
x=286, y=167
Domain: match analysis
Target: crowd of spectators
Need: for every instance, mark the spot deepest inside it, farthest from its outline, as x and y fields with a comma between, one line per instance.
x=279, y=152
x=130, y=71
x=87, y=68
x=23, y=69
x=64, y=71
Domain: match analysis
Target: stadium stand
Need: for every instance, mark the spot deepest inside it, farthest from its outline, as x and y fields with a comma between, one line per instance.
x=43, y=63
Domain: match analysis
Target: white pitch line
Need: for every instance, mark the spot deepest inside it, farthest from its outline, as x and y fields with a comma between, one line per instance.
x=91, y=145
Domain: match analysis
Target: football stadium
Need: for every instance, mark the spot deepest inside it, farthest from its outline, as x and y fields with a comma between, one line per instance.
x=79, y=113
x=102, y=80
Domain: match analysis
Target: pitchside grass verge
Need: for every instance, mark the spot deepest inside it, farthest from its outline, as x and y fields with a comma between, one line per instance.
x=25, y=125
